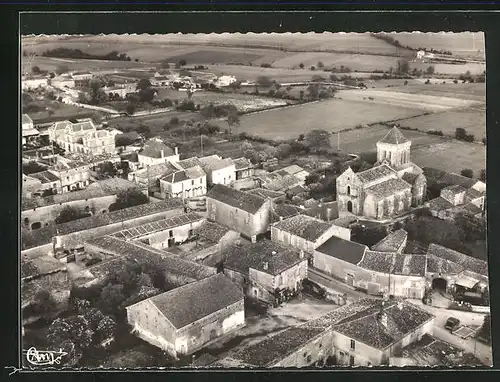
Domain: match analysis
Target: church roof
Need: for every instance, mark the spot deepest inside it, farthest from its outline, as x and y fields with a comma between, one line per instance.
x=374, y=173
x=387, y=188
x=394, y=137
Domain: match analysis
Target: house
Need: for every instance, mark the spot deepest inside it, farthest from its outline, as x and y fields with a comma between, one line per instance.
x=245, y=213
x=456, y=199
x=185, y=319
x=81, y=78
x=34, y=83
x=225, y=81
x=151, y=174
x=183, y=183
x=374, y=272
x=42, y=181
x=443, y=179
x=219, y=170
x=268, y=271
x=121, y=90
x=306, y=233
x=281, y=211
x=28, y=131
x=155, y=151
x=95, y=199
x=394, y=242
x=72, y=175
x=364, y=333
x=243, y=167
x=384, y=191
x=296, y=171
x=324, y=211
x=64, y=81
x=275, y=196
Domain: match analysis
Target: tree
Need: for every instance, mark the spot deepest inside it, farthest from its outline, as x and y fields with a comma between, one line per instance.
x=471, y=228
x=233, y=120
x=44, y=303
x=320, y=65
x=403, y=67
x=430, y=70
x=146, y=95
x=460, y=133
x=264, y=81
x=130, y=108
x=96, y=93
x=36, y=70
x=485, y=330
x=111, y=297
x=182, y=62
x=467, y=172
x=143, y=83
x=52, y=75
x=284, y=150
x=482, y=175
x=312, y=178
x=368, y=235
x=128, y=198
x=107, y=168
x=123, y=140
x=68, y=214
x=313, y=91
x=301, y=65
x=74, y=328
x=318, y=139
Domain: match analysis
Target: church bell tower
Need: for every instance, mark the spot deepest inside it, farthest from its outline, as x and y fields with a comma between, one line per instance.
x=394, y=148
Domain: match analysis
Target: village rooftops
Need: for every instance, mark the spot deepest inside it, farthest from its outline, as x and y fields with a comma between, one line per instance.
x=275, y=348
x=235, y=198
x=40, y=266
x=26, y=119
x=267, y=194
x=304, y=226
x=392, y=242
x=45, y=177
x=53, y=282
x=192, y=302
x=215, y=162
x=377, y=261
x=394, y=263
x=440, y=203
x=410, y=177
x=394, y=137
x=345, y=250
x=42, y=236
x=156, y=170
x=211, y=232
x=106, y=187
x=324, y=211
x=242, y=164
x=188, y=163
x=158, y=226
x=402, y=319
x=133, y=252
x=438, y=265
x=455, y=189
x=375, y=173
x=281, y=211
x=387, y=188
x=180, y=176
x=278, y=182
x=462, y=260
x=265, y=256
x=153, y=148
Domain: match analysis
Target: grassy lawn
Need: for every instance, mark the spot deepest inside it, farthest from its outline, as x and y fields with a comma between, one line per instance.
x=330, y=115
x=59, y=111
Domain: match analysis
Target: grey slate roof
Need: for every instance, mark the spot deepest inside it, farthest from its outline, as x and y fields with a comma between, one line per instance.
x=304, y=226
x=455, y=189
x=321, y=211
x=211, y=231
x=192, y=302
x=466, y=262
x=242, y=164
x=236, y=198
x=410, y=265
x=344, y=250
x=284, y=211
x=377, y=261
x=392, y=242
x=375, y=173
x=263, y=193
x=45, y=177
x=152, y=148
x=440, y=203
x=279, y=258
x=387, y=188
x=394, y=137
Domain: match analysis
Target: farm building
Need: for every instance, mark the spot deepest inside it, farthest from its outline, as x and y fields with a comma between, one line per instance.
x=455, y=199
x=28, y=131
x=219, y=170
x=364, y=333
x=156, y=152
x=267, y=271
x=183, y=183
x=389, y=189
x=245, y=213
x=215, y=308
x=95, y=199
x=243, y=167
x=306, y=233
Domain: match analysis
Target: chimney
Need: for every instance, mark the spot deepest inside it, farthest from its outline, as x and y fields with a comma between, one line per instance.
x=176, y=151
x=328, y=214
x=301, y=254
x=273, y=253
x=162, y=153
x=281, y=218
x=265, y=265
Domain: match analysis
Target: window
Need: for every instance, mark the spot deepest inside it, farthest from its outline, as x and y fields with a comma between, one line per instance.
x=201, y=180
x=190, y=233
x=348, y=190
x=192, y=183
x=26, y=221
x=353, y=345
x=351, y=360
x=171, y=233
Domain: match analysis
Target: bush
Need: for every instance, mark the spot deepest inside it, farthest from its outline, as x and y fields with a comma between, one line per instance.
x=265, y=65
x=467, y=172
x=435, y=132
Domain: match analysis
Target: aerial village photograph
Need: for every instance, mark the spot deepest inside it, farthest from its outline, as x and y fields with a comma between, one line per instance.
x=218, y=201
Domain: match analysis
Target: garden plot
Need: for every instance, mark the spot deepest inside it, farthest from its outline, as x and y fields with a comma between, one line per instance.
x=331, y=115
x=409, y=100
x=464, y=332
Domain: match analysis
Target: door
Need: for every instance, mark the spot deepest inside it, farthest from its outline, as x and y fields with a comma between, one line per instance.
x=350, y=279
x=171, y=242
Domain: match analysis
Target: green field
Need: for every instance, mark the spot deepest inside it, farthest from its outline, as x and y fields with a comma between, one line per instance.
x=59, y=111
x=427, y=150
x=51, y=64
x=330, y=115
x=474, y=92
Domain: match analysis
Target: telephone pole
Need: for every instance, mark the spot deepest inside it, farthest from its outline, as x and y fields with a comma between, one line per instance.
x=338, y=141
x=201, y=143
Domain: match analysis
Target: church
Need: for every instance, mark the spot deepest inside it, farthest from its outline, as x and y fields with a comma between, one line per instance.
x=387, y=190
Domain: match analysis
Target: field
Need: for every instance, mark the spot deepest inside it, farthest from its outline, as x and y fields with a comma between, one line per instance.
x=156, y=122
x=427, y=150
x=462, y=44
x=473, y=121
x=58, y=112
x=51, y=64
x=331, y=115
x=412, y=100
x=243, y=102
x=475, y=92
